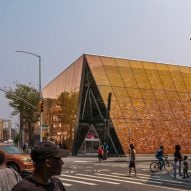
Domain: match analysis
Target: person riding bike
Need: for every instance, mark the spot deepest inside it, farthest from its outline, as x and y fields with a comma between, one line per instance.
x=160, y=156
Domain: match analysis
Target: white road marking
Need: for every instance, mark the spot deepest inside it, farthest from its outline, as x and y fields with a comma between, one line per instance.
x=147, y=177
x=65, y=184
x=146, y=184
x=78, y=181
x=118, y=178
x=91, y=179
x=80, y=161
x=128, y=179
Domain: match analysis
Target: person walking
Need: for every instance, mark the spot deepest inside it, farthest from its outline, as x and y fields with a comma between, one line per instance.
x=177, y=160
x=24, y=148
x=47, y=162
x=132, y=159
x=185, y=167
x=100, y=153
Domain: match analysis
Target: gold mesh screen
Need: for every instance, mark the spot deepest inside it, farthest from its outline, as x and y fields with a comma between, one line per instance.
x=151, y=102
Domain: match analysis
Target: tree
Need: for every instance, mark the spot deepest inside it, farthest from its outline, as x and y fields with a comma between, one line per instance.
x=67, y=101
x=29, y=113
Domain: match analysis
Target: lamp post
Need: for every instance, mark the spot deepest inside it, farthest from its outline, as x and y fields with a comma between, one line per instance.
x=39, y=61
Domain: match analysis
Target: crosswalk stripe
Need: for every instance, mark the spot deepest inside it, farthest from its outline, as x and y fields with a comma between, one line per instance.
x=65, y=184
x=78, y=181
x=114, y=178
x=147, y=177
x=118, y=178
x=126, y=179
x=91, y=179
x=146, y=184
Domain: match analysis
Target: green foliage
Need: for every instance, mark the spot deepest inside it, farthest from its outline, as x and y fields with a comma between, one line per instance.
x=16, y=139
x=24, y=101
x=27, y=93
x=68, y=105
x=67, y=102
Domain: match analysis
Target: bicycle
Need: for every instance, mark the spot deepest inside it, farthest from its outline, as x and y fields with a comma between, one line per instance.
x=168, y=165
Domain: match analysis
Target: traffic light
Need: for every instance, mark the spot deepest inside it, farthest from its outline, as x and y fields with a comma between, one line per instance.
x=41, y=106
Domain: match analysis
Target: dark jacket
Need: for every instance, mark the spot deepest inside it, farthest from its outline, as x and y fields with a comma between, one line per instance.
x=177, y=156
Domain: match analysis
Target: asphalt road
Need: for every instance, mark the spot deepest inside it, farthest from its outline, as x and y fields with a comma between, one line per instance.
x=88, y=174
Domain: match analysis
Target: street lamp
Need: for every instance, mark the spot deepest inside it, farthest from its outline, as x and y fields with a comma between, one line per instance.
x=40, y=92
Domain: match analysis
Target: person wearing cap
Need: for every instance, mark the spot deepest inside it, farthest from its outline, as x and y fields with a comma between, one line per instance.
x=47, y=162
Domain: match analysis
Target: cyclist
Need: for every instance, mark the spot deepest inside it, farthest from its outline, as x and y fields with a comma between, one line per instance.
x=159, y=155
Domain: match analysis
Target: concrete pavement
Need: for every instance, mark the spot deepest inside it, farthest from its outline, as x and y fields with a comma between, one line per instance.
x=140, y=158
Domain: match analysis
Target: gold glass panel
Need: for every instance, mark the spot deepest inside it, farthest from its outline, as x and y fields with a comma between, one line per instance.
x=120, y=123
x=68, y=80
x=186, y=73
x=172, y=96
x=177, y=78
x=98, y=72
x=184, y=96
x=178, y=110
x=152, y=75
x=160, y=95
x=77, y=73
x=153, y=109
x=69, y=76
x=124, y=103
x=104, y=91
x=134, y=93
x=147, y=94
x=116, y=112
x=126, y=73
x=112, y=72
x=139, y=74
x=140, y=109
x=165, y=77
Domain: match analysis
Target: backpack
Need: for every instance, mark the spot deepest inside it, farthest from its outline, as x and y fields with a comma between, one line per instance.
x=158, y=154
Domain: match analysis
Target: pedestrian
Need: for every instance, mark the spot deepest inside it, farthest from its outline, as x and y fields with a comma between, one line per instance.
x=24, y=148
x=185, y=167
x=8, y=177
x=100, y=153
x=47, y=162
x=107, y=151
x=160, y=154
x=177, y=160
x=132, y=159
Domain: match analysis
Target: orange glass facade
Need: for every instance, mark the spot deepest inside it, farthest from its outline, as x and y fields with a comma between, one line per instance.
x=150, y=106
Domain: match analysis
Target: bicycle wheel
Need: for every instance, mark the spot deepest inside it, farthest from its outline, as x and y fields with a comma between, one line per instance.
x=168, y=166
x=154, y=167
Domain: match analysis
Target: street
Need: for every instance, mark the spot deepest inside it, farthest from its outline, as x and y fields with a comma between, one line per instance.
x=89, y=174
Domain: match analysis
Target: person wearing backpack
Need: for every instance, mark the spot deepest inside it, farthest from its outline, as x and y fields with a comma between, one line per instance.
x=160, y=156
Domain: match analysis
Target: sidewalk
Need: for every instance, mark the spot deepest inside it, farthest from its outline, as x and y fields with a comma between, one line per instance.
x=141, y=158
x=150, y=158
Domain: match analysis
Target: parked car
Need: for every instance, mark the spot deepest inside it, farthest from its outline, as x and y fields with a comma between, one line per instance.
x=15, y=159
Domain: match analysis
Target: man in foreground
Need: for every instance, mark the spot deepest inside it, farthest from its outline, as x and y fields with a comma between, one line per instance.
x=47, y=162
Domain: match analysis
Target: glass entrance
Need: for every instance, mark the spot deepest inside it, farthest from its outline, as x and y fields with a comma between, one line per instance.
x=90, y=143
x=91, y=147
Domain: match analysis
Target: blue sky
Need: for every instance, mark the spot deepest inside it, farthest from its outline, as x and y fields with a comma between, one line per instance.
x=62, y=30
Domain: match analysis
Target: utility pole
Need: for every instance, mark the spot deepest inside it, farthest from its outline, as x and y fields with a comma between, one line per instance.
x=40, y=91
x=107, y=131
